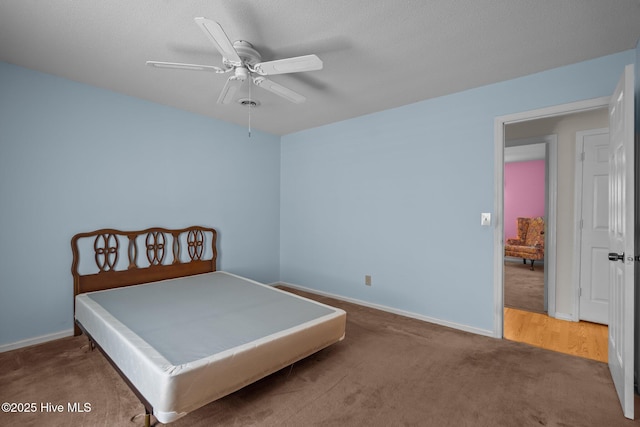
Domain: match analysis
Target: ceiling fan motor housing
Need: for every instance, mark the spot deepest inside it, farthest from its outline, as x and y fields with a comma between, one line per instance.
x=246, y=52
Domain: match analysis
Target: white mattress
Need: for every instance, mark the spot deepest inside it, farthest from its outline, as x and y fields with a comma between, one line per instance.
x=186, y=342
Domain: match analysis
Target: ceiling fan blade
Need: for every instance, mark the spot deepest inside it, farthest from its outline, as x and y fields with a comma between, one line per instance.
x=179, y=65
x=217, y=35
x=229, y=90
x=289, y=65
x=279, y=90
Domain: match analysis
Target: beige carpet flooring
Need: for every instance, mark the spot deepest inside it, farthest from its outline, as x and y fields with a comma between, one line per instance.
x=523, y=288
x=389, y=371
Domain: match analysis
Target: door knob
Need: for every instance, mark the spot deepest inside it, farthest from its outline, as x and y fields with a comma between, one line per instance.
x=616, y=257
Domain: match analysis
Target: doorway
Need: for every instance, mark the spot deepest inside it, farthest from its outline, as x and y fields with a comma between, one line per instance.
x=623, y=217
x=528, y=184
x=539, y=322
x=559, y=227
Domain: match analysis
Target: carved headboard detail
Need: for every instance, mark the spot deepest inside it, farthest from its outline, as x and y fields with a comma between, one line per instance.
x=169, y=254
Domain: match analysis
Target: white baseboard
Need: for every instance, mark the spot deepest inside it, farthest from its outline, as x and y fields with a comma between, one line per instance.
x=461, y=327
x=36, y=340
x=565, y=316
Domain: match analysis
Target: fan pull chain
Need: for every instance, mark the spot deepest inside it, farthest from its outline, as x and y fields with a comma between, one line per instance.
x=250, y=106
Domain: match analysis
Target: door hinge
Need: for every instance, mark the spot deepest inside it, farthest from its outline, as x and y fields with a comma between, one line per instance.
x=582, y=156
x=581, y=223
x=579, y=292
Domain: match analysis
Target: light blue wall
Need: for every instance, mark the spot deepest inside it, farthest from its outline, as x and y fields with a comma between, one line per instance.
x=76, y=158
x=398, y=195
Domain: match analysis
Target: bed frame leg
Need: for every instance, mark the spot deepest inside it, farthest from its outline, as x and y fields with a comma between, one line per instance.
x=147, y=418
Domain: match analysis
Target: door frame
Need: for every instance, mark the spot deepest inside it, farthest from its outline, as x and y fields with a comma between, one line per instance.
x=498, y=232
x=550, y=206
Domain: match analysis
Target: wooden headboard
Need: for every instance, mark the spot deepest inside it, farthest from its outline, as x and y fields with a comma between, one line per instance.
x=169, y=254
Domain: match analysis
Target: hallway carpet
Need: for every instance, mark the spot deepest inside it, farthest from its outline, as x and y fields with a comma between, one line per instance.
x=523, y=288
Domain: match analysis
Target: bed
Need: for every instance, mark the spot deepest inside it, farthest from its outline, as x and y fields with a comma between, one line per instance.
x=180, y=333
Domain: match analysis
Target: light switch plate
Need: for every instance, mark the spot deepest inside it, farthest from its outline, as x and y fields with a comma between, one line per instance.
x=485, y=219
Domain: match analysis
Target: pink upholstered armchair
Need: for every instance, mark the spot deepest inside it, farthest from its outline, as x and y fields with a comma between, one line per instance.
x=530, y=241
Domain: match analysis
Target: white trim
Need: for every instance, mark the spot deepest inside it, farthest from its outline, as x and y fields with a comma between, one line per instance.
x=273, y=283
x=565, y=316
x=556, y=110
x=498, y=234
x=498, y=231
x=459, y=326
x=577, y=229
x=525, y=152
x=551, y=242
x=36, y=340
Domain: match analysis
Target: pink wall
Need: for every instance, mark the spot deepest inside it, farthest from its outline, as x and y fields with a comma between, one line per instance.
x=523, y=193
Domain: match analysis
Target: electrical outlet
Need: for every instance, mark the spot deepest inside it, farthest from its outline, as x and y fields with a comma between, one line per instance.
x=367, y=280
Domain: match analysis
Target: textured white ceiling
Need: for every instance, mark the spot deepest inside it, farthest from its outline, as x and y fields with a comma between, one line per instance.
x=377, y=54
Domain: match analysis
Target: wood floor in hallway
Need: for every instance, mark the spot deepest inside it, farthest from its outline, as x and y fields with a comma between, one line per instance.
x=584, y=339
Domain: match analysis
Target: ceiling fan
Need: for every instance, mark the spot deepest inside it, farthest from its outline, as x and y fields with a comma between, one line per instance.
x=241, y=59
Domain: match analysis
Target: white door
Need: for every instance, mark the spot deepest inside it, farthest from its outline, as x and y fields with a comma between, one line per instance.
x=594, y=226
x=621, y=240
